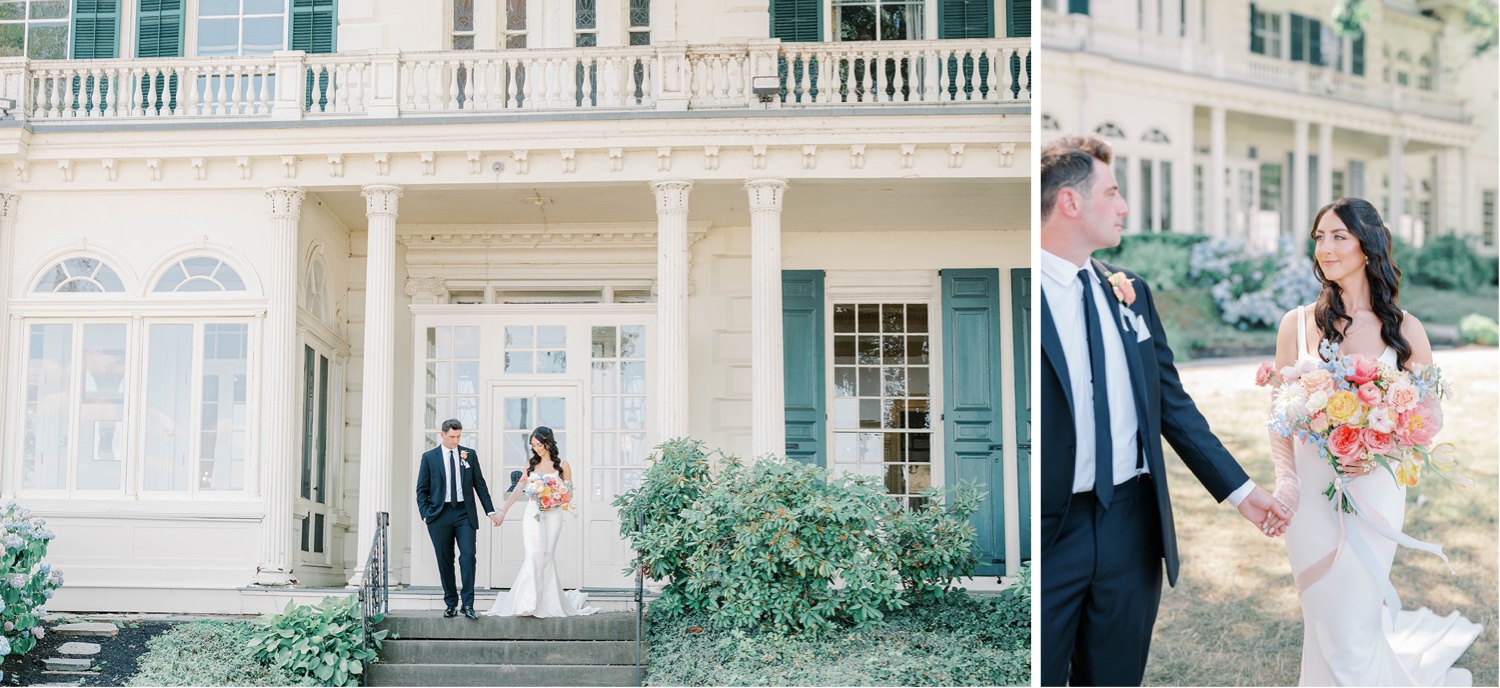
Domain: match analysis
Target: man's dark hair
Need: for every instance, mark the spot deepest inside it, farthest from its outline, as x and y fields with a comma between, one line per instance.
x=1068, y=163
x=452, y=424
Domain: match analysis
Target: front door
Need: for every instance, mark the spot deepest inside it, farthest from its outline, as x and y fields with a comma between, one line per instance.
x=521, y=410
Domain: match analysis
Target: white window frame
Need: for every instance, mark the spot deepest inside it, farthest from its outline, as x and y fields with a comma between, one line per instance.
x=286, y=18
x=332, y=506
x=66, y=21
x=928, y=16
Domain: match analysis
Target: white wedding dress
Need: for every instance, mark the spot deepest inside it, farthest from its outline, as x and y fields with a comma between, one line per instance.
x=538, y=592
x=1349, y=637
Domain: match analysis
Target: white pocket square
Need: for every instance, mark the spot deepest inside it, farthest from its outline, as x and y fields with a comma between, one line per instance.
x=1142, y=332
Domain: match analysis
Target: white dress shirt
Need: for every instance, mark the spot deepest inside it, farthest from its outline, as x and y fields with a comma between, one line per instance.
x=450, y=468
x=1063, y=291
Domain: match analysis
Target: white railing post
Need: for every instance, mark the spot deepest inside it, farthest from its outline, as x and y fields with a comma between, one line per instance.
x=15, y=83
x=291, y=85
x=673, y=86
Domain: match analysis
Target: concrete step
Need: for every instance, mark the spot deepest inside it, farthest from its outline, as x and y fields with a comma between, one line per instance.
x=86, y=629
x=540, y=652
x=68, y=664
x=432, y=626
x=382, y=674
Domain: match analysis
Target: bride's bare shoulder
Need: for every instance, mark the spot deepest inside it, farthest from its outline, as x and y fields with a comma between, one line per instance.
x=1412, y=329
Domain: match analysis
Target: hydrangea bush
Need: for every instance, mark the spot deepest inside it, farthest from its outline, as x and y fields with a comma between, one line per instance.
x=1251, y=288
x=28, y=581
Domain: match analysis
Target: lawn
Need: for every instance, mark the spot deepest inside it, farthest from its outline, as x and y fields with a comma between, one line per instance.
x=1234, y=619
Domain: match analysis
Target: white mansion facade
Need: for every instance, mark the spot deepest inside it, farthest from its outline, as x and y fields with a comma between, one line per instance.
x=254, y=252
x=1243, y=118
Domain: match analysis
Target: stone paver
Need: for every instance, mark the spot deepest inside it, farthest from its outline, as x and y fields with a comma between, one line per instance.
x=78, y=629
x=67, y=664
x=79, y=649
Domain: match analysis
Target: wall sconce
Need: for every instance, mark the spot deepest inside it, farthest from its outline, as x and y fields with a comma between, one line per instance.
x=766, y=87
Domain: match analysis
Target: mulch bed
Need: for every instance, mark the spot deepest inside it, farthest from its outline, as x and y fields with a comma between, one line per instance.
x=116, y=659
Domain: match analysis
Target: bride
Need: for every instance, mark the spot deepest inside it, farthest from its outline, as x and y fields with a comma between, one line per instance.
x=537, y=591
x=1349, y=636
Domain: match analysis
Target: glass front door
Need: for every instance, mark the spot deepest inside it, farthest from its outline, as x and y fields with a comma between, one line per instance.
x=521, y=410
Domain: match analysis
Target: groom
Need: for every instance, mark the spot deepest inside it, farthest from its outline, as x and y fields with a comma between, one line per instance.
x=447, y=482
x=1109, y=395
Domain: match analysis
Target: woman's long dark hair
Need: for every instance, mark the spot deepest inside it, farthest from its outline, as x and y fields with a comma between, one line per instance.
x=1364, y=222
x=544, y=435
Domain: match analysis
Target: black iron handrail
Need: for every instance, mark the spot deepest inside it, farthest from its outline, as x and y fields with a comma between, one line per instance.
x=375, y=586
x=640, y=589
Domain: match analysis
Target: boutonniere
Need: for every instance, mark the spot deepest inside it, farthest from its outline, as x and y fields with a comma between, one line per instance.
x=464, y=456
x=1124, y=290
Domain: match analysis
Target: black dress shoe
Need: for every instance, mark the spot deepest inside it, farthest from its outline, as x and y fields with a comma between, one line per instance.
x=470, y=615
x=450, y=613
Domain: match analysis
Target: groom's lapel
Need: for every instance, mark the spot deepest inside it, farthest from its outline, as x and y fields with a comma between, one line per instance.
x=1131, y=347
x=1052, y=351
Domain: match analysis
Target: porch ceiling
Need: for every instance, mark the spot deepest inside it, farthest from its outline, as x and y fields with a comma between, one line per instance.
x=810, y=206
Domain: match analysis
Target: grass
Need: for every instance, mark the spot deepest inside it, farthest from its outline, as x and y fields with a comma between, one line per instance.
x=1234, y=618
x=1448, y=307
x=972, y=641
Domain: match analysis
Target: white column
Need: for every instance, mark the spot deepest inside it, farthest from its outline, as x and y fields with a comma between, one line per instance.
x=767, y=385
x=1299, y=185
x=1215, y=182
x=278, y=455
x=1397, y=187
x=1134, y=181
x=10, y=203
x=671, y=308
x=377, y=410
x=1325, y=166
x=1448, y=197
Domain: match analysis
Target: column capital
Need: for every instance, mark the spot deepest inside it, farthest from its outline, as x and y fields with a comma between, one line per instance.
x=766, y=193
x=671, y=194
x=433, y=288
x=286, y=201
x=381, y=199
x=10, y=201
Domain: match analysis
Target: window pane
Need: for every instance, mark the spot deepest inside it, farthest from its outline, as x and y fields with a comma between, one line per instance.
x=49, y=9
x=855, y=23
x=200, y=267
x=218, y=36
x=49, y=406
x=640, y=13
x=515, y=15
x=56, y=275
x=632, y=341
x=606, y=415
x=552, y=412
x=13, y=9
x=169, y=396
x=466, y=342
x=101, y=420
x=518, y=337
x=199, y=284
x=173, y=277
x=585, y=14
x=633, y=413
x=210, y=8
x=518, y=415
x=263, y=35
x=48, y=41
x=633, y=377
x=632, y=449
x=604, y=378
x=843, y=318
x=518, y=362
x=265, y=6
x=603, y=344
x=221, y=465
x=551, y=337
x=552, y=362
x=12, y=40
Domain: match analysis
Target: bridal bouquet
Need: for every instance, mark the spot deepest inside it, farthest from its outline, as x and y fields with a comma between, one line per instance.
x=1362, y=413
x=550, y=492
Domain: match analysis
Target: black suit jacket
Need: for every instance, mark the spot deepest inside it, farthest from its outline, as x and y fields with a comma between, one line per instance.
x=430, y=488
x=1164, y=410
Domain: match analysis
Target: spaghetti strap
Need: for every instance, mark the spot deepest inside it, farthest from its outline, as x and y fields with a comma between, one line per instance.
x=1301, y=332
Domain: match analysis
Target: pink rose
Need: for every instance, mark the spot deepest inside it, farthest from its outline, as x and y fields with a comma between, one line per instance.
x=1124, y=290
x=1377, y=442
x=1369, y=394
x=1365, y=370
x=1264, y=374
x=1317, y=381
x=1346, y=442
x=1401, y=397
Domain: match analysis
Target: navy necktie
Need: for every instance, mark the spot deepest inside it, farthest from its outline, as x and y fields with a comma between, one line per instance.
x=454, y=460
x=1104, y=455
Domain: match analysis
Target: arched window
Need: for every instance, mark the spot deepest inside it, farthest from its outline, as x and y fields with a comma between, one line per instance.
x=315, y=294
x=200, y=273
x=80, y=275
x=1155, y=136
x=1109, y=130
x=1049, y=123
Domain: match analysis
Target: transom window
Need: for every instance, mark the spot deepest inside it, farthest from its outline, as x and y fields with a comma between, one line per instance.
x=515, y=23
x=452, y=381
x=80, y=275
x=586, y=23
x=618, y=396
x=878, y=20
x=200, y=274
x=640, y=22
x=882, y=405
x=1155, y=136
x=241, y=27
x=37, y=29
x=463, y=24
x=541, y=350
x=1109, y=130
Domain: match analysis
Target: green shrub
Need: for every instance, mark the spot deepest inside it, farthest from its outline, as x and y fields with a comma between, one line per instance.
x=782, y=545
x=1448, y=262
x=1478, y=329
x=322, y=642
x=959, y=641
x=26, y=582
x=1160, y=259
x=207, y=653
x=1015, y=601
x=934, y=541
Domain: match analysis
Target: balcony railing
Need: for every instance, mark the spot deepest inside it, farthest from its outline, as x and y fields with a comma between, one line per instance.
x=1076, y=32
x=385, y=84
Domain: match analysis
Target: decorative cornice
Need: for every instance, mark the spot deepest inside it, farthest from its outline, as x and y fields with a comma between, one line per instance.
x=618, y=235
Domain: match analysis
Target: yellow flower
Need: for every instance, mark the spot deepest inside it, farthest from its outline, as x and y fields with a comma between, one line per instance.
x=1342, y=405
x=1407, y=473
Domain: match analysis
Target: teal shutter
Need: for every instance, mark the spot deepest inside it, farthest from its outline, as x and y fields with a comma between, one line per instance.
x=797, y=20
x=1020, y=19
x=96, y=29
x=313, y=26
x=1078, y=6
x=803, y=360
x=971, y=401
x=1020, y=323
x=1257, y=44
x=971, y=18
x=159, y=29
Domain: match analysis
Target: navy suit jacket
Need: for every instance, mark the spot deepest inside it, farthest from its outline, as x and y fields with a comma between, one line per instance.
x=1163, y=407
x=431, y=491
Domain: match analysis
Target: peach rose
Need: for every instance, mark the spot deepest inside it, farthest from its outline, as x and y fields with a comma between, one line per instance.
x=1317, y=381
x=1318, y=423
x=1401, y=397
x=1124, y=290
x=1347, y=442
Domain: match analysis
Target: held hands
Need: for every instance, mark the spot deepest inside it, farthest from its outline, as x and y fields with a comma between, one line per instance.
x=1266, y=511
x=496, y=519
